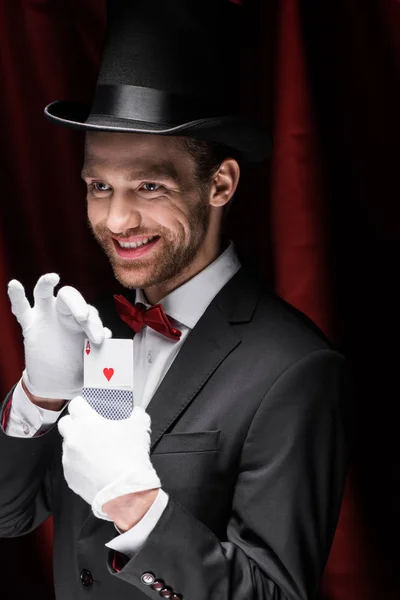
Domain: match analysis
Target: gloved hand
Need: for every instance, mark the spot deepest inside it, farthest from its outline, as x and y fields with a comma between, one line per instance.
x=104, y=459
x=54, y=331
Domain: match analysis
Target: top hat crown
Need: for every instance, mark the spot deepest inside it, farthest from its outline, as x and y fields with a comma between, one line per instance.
x=170, y=67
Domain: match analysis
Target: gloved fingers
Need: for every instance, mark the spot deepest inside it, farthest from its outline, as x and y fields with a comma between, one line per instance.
x=71, y=303
x=141, y=418
x=65, y=425
x=43, y=292
x=107, y=333
x=140, y=423
x=93, y=327
x=20, y=306
x=79, y=408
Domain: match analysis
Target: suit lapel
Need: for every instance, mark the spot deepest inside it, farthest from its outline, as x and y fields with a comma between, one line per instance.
x=205, y=348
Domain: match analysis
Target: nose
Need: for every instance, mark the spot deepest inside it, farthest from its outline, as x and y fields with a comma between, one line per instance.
x=123, y=214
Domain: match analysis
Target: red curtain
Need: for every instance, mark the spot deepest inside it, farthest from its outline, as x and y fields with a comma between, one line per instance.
x=320, y=221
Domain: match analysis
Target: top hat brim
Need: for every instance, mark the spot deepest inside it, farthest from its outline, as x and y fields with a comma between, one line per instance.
x=237, y=132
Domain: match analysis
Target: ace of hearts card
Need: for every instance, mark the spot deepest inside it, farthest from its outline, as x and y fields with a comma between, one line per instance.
x=108, y=377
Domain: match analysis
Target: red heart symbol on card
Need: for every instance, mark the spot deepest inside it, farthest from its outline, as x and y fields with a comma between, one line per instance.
x=108, y=373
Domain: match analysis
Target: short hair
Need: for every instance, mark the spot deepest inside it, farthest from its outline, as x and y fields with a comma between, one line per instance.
x=207, y=156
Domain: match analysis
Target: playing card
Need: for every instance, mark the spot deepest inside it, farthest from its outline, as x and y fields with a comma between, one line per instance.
x=108, y=377
x=109, y=365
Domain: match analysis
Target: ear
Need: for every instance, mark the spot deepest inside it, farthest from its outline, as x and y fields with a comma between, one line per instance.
x=225, y=182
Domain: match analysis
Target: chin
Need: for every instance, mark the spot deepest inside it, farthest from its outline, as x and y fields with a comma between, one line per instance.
x=133, y=278
x=128, y=279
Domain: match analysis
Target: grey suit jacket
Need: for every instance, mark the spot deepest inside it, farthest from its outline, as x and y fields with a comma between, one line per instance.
x=248, y=438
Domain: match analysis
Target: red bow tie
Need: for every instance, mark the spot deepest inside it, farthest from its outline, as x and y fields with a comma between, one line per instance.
x=138, y=316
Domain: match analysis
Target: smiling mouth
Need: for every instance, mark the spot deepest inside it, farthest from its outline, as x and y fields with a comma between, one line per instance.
x=131, y=250
x=139, y=244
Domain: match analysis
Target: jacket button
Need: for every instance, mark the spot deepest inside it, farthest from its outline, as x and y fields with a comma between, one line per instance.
x=166, y=592
x=148, y=578
x=158, y=585
x=176, y=597
x=86, y=578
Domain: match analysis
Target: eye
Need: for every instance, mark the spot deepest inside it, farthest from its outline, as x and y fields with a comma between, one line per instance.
x=99, y=189
x=100, y=186
x=151, y=186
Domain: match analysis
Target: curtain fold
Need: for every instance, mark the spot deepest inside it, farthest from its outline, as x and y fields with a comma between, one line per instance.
x=300, y=231
x=320, y=222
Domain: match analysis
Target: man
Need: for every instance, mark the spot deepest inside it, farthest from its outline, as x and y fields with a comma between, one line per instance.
x=239, y=495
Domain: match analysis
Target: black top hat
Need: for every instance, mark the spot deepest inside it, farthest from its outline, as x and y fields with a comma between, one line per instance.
x=170, y=67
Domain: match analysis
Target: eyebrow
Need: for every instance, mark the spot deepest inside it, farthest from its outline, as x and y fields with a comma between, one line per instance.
x=144, y=169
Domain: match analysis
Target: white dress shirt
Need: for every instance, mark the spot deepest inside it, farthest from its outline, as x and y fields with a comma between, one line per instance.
x=153, y=354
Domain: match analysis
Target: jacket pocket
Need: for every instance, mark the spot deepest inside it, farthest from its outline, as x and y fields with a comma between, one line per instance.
x=202, y=441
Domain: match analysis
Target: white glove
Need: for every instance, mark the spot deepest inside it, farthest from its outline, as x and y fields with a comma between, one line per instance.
x=104, y=459
x=54, y=331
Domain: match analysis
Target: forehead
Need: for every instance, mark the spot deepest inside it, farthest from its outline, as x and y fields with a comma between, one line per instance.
x=142, y=151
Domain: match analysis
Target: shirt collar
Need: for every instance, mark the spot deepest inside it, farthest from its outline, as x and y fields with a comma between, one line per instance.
x=187, y=303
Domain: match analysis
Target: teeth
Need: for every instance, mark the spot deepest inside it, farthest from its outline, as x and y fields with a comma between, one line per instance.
x=136, y=244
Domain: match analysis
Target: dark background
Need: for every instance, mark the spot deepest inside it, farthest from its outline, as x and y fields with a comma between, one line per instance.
x=319, y=222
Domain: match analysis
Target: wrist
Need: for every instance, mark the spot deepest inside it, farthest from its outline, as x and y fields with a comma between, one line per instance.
x=46, y=403
x=126, y=511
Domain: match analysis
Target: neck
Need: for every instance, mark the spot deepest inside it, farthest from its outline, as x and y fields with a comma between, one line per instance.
x=207, y=254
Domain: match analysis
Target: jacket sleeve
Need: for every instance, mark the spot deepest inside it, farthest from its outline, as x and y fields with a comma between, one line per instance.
x=285, y=506
x=24, y=480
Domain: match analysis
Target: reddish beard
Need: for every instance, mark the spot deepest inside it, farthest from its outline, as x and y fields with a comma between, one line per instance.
x=174, y=253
